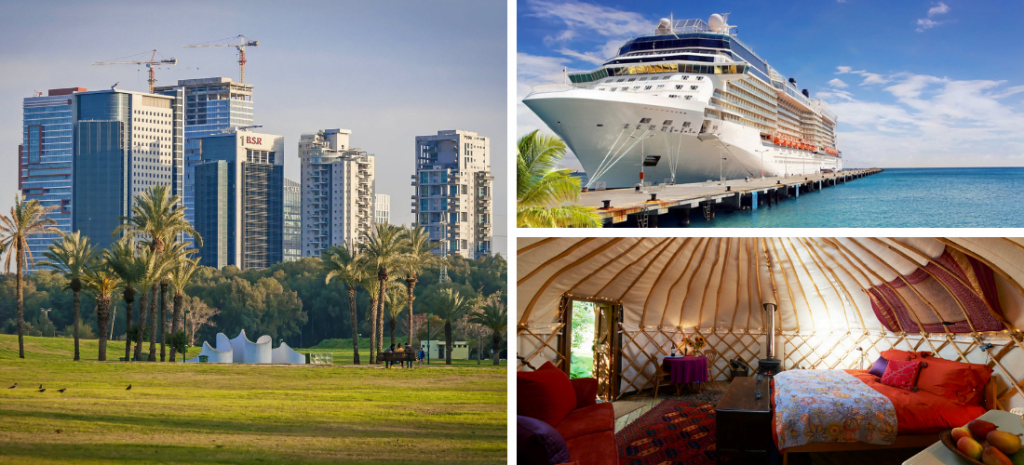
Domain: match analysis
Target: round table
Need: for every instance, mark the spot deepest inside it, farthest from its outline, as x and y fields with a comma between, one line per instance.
x=688, y=369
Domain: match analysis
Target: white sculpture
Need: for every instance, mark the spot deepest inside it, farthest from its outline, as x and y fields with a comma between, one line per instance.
x=242, y=350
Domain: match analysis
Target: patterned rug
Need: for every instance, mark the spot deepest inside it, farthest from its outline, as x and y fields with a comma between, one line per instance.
x=672, y=432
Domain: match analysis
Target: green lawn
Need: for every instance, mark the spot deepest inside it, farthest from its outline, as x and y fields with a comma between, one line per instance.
x=195, y=413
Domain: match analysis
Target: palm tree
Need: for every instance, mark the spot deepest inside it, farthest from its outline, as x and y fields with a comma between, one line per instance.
x=492, y=316
x=542, y=190
x=27, y=219
x=160, y=217
x=342, y=263
x=165, y=262
x=396, y=299
x=418, y=256
x=101, y=283
x=384, y=249
x=450, y=306
x=372, y=286
x=131, y=264
x=71, y=256
x=180, y=277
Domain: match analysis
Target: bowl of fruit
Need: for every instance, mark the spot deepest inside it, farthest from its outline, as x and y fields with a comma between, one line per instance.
x=981, y=442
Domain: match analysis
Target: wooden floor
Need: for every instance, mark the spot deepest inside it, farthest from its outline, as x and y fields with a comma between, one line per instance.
x=665, y=392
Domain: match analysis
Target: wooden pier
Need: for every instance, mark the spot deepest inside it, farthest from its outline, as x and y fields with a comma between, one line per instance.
x=641, y=208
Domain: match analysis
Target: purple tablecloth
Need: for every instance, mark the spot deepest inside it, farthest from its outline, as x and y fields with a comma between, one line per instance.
x=688, y=369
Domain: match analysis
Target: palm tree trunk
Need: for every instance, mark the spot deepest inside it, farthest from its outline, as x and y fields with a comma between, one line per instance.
x=410, y=285
x=392, y=324
x=382, y=276
x=373, y=329
x=129, y=299
x=152, y=323
x=102, y=319
x=447, y=342
x=479, y=345
x=175, y=321
x=21, y=302
x=143, y=300
x=496, y=347
x=355, y=323
x=163, y=319
x=76, y=305
x=380, y=327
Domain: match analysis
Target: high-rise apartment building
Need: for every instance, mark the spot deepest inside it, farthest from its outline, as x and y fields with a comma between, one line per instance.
x=453, y=182
x=210, y=106
x=44, y=160
x=292, y=220
x=337, y=191
x=382, y=208
x=124, y=142
x=239, y=200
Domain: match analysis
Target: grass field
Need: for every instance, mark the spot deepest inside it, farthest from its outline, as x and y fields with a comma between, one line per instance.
x=195, y=413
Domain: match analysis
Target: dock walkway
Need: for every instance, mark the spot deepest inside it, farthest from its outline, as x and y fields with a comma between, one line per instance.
x=617, y=206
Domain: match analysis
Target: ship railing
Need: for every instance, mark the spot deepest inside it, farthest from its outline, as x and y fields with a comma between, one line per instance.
x=545, y=88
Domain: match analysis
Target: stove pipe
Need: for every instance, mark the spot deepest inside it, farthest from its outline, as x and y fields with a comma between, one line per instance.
x=769, y=326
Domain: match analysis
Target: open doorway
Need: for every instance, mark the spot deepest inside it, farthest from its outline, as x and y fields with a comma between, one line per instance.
x=581, y=354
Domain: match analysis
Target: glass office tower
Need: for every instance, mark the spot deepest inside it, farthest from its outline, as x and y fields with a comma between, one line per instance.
x=44, y=161
x=124, y=143
x=239, y=201
x=292, y=220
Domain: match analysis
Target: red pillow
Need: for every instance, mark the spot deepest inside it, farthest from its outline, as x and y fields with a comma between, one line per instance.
x=901, y=374
x=894, y=354
x=962, y=382
x=545, y=394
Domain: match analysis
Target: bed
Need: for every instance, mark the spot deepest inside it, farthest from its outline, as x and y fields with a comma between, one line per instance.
x=908, y=419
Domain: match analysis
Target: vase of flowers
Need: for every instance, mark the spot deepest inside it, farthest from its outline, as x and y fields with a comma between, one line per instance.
x=698, y=343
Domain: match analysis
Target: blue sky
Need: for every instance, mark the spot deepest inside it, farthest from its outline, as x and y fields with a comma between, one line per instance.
x=915, y=83
x=389, y=70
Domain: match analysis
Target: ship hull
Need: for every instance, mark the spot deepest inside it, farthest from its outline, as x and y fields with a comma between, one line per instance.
x=602, y=127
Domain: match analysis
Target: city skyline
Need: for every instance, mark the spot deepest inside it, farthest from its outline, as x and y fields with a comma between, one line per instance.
x=288, y=99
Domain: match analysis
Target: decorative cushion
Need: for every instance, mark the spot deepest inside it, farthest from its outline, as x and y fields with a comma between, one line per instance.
x=539, y=443
x=901, y=374
x=962, y=382
x=878, y=369
x=586, y=391
x=894, y=354
x=545, y=394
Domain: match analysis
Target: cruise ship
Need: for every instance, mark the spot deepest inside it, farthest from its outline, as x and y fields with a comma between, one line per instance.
x=689, y=103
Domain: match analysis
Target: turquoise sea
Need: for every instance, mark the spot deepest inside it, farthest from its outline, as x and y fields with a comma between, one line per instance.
x=896, y=198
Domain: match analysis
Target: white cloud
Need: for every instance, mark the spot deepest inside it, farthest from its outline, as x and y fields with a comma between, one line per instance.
x=928, y=23
x=934, y=121
x=941, y=8
x=838, y=83
x=843, y=69
x=602, y=20
x=591, y=57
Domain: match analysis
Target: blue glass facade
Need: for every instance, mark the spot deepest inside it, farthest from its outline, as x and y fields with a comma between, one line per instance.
x=44, y=162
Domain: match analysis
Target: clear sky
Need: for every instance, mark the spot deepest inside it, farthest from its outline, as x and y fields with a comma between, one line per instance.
x=387, y=70
x=914, y=83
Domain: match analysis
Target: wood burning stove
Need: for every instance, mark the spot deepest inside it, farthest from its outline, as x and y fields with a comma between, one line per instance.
x=769, y=366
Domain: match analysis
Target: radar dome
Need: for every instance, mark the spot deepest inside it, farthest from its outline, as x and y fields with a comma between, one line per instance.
x=664, y=26
x=716, y=22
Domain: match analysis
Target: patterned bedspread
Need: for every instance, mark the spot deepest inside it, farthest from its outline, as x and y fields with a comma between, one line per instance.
x=830, y=406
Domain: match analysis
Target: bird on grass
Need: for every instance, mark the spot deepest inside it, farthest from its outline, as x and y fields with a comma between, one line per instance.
x=129, y=388
x=42, y=389
x=62, y=390
x=40, y=386
x=13, y=387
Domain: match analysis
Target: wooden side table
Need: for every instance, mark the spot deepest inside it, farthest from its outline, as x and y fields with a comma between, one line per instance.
x=744, y=423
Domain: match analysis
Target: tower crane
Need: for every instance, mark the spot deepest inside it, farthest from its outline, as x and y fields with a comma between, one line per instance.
x=149, y=64
x=240, y=46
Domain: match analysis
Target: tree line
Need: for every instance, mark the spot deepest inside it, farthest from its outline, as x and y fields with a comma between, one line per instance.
x=351, y=290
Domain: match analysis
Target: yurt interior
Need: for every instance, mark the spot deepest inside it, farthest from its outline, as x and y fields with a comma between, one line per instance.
x=652, y=350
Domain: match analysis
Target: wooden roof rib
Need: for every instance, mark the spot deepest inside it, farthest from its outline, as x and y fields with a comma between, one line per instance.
x=826, y=288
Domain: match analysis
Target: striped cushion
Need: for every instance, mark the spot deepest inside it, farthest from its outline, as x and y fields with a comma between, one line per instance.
x=902, y=374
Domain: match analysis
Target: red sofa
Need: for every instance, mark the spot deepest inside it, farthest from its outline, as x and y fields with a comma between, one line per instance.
x=589, y=427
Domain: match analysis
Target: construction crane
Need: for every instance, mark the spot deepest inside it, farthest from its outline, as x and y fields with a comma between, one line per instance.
x=240, y=46
x=149, y=64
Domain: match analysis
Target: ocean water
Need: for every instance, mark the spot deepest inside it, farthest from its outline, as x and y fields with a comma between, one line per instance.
x=895, y=198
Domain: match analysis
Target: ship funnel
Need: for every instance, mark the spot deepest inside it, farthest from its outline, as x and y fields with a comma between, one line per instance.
x=806, y=93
